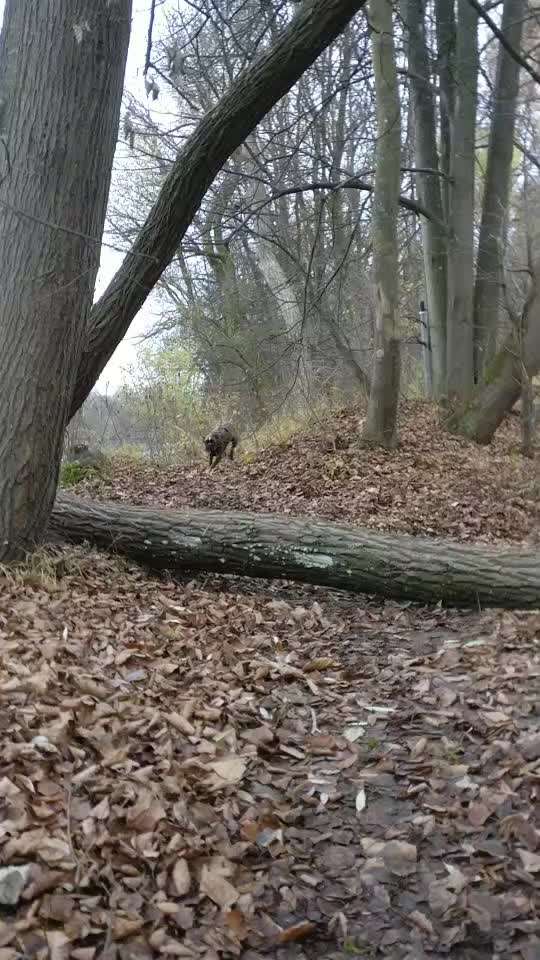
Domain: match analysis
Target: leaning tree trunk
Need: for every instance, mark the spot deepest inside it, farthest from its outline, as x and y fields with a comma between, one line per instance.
x=259, y=545
x=434, y=237
x=381, y=421
x=489, y=266
x=61, y=74
x=217, y=136
x=479, y=418
x=460, y=367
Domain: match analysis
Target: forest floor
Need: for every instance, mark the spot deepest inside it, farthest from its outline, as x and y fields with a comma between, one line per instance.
x=223, y=767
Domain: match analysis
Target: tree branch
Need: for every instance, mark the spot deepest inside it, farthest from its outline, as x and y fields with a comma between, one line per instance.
x=515, y=54
x=352, y=183
x=219, y=134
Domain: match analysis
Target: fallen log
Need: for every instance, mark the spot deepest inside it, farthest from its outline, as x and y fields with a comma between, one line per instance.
x=273, y=546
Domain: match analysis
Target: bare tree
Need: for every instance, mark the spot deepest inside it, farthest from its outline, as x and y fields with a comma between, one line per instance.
x=60, y=145
x=460, y=266
x=381, y=422
x=516, y=360
x=62, y=69
x=489, y=267
x=299, y=258
x=215, y=139
x=434, y=235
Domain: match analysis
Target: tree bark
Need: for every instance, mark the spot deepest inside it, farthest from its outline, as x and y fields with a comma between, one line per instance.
x=446, y=40
x=217, y=136
x=528, y=419
x=460, y=265
x=489, y=268
x=480, y=417
x=381, y=420
x=434, y=244
x=61, y=74
x=264, y=545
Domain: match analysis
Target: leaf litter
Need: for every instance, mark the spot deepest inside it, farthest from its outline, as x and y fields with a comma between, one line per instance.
x=229, y=768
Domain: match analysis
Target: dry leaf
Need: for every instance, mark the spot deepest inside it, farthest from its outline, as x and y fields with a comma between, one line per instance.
x=230, y=771
x=299, y=931
x=217, y=888
x=530, y=861
x=421, y=921
x=58, y=944
x=124, y=927
x=146, y=814
x=181, y=723
x=13, y=880
x=400, y=857
x=360, y=802
x=181, y=877
x=237, y=924
x=478, y=813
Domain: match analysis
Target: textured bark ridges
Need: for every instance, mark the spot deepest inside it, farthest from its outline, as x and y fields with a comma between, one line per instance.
x=489, y=270
x=61, y=76
x=264, y=545
x=381, y=420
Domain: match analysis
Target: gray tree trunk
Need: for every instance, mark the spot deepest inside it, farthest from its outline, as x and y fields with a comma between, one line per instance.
x=460, y=366
x=259, y=545
x=217, y=136
x=381, y=421
x=434, y=244
x=446, y=38
x=480, y=417
x=528, y=417
x=489, y=269
x=61, y=75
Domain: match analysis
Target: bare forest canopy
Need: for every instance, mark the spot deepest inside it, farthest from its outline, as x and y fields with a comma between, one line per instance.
x=272, y=298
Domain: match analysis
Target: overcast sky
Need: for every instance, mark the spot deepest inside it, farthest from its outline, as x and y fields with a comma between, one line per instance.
x=125, y=353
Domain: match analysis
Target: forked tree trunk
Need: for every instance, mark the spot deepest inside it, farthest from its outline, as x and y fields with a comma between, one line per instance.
x=61, y=75
x=479, y=417
x=259, y=545
x=489, y=268
x=381, y=421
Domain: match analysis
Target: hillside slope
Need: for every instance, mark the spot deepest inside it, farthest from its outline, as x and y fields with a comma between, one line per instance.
x=434, y=484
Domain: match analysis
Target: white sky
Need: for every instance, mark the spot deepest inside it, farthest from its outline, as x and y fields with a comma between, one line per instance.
x=125, y=353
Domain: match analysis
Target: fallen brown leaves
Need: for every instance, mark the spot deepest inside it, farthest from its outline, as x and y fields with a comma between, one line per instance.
x=222, y=772
x=227, y=768
x=434, y=485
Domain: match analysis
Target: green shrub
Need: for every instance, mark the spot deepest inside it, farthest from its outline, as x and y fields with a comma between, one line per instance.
x=127, y=452
x=72, y=473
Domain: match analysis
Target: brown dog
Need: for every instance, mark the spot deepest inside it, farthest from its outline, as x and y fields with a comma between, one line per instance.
x=216, y=444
